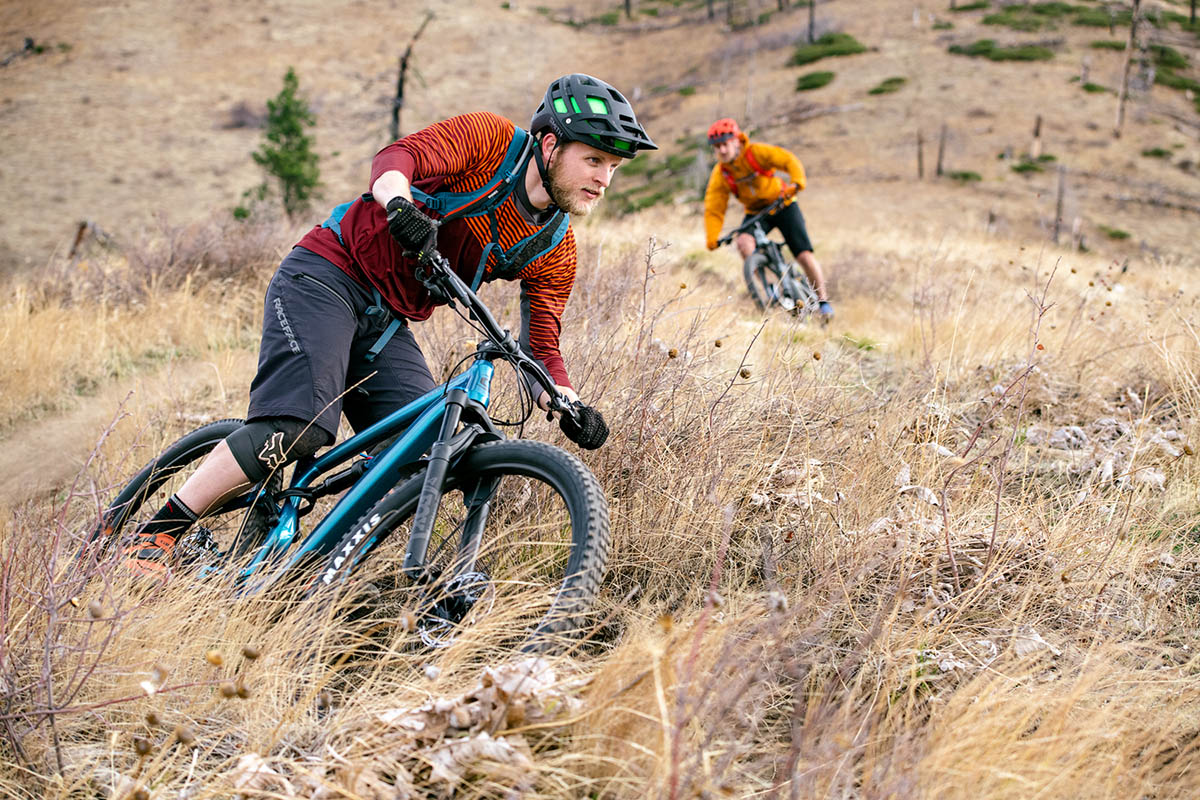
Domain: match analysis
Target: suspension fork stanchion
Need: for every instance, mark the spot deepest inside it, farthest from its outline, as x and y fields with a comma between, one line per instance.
x=431, y=489
x=479, y=505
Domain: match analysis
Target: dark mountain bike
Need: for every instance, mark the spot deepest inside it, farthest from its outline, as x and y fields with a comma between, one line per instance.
x=511, y=526
x=773, y=280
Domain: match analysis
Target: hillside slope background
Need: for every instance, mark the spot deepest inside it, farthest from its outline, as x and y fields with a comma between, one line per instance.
x=946, y=546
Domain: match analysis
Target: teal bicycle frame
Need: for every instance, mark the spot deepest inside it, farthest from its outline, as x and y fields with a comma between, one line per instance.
x=423, y=422
x=429, y=424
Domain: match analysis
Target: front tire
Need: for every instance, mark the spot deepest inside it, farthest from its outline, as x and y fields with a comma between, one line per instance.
x=541, y=553
x=763, y=279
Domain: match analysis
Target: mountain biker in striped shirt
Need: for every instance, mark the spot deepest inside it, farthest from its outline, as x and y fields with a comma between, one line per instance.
x=336, y=320
x=746, y=170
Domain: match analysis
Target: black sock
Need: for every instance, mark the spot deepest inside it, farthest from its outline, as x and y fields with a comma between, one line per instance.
x=173, y=519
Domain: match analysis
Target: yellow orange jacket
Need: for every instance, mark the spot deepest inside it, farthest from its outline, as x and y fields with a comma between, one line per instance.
x=754, y=191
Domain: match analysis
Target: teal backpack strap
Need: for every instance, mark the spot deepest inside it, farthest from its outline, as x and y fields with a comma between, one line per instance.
x=452, y=205
x=477, y=281
x=334, y=222
x=393, y=325
x=523, y=253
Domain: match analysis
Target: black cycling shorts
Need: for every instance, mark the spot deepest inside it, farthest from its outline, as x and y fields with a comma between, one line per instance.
x=315, y=337
x=790, y=222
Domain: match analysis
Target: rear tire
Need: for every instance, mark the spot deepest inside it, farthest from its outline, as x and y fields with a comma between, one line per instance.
x=541, y=553
x=235, y=532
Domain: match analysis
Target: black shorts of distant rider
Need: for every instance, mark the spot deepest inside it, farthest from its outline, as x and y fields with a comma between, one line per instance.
x=790, y=223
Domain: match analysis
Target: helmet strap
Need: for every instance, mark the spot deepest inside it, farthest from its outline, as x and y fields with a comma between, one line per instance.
x=543, y=172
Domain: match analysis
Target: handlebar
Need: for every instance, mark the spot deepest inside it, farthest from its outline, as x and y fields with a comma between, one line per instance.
x=440, y=275
x=749, y=224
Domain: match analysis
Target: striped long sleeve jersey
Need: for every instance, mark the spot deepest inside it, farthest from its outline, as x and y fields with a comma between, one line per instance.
x=459, y=154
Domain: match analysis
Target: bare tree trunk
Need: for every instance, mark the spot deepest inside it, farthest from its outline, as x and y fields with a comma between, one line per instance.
x=729, y=13
x=629, y=9
x=1192, y=19
x=783, y=4
x=1058, y=203
x=711, y=11
x=812, y=14
x=920, y=155
x=398, y=101
x=1123, y=92
x=1035, y=147
x=941, y=149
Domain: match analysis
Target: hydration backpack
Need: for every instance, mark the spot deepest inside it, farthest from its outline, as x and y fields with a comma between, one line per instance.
x=485, y=201
x=754, y=165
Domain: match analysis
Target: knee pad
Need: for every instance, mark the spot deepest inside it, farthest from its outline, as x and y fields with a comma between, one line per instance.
x=264, y=445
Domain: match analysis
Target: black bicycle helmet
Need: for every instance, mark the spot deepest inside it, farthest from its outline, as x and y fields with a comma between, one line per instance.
x=580, y=108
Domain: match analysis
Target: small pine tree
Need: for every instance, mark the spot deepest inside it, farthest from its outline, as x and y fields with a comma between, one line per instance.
x=287, y=152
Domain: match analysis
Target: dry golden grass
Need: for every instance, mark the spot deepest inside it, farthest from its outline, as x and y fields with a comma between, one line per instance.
x=878, y=564
x=946, y=547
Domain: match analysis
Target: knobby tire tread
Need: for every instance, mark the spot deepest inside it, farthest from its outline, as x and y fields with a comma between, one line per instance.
x=570, y=477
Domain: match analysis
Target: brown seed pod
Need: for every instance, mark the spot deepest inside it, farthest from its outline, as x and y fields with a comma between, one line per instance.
x=1188, y=451
x=672, y=353
x=745, y=373
x=152, y=719
x=816, y=355
x=214, y=657
x=140, y=794
x=227, y=689
x=184, y=735
x=250, y=652
x=717, y=343
x=682, y=285
x=95, y=610
x=142, y=746
x=325, y=699
x=240, y=688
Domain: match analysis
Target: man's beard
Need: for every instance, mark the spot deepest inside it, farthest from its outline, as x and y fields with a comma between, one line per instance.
x=563, y=196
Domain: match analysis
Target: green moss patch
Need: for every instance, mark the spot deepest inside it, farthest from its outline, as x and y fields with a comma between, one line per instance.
x=813, y=80
x=987, y=48
x=828, y=46
x=889, y=85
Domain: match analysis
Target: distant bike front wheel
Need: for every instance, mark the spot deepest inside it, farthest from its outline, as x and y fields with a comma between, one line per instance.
x=517, y=551
x=764, y=279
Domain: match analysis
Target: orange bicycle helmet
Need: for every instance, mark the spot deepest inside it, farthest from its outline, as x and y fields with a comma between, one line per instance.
x=723, y=130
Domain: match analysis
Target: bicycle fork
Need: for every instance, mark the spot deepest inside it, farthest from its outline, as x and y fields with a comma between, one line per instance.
x=477, y=498
x=431, y=489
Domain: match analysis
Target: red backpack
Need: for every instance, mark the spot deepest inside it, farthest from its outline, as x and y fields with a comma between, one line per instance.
x=754, y=165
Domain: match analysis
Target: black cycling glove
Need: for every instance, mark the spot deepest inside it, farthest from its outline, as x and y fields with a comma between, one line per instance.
x=409, y=226
x=588, y=431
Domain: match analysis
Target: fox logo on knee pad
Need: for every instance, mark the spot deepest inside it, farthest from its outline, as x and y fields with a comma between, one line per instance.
x=272, y=454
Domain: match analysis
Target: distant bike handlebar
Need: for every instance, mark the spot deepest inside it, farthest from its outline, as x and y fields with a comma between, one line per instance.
x=749, y=224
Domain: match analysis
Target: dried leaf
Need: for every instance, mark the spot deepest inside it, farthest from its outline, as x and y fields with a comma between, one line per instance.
x=252, y=774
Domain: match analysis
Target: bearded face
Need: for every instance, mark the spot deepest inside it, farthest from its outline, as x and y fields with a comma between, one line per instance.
x=578, y=175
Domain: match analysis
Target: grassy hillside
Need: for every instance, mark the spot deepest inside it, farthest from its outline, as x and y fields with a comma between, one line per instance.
x=945, y=547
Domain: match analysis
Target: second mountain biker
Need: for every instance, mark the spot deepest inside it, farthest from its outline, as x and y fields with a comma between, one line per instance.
x=746, y=170
x=338, y=308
